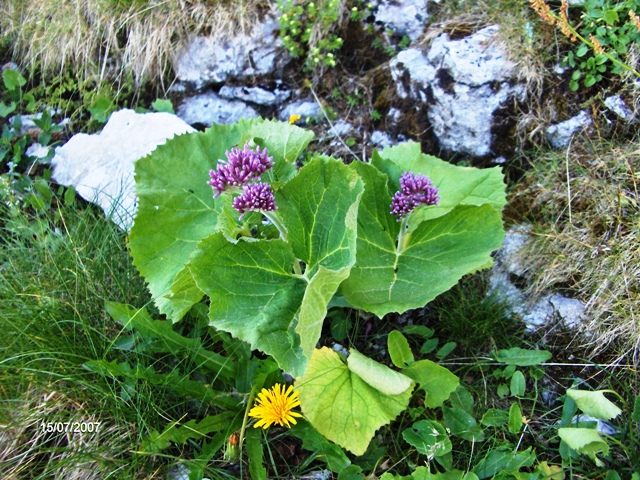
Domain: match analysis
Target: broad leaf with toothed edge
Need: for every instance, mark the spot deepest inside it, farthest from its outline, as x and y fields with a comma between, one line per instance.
x=341, y=405
x=438, y=252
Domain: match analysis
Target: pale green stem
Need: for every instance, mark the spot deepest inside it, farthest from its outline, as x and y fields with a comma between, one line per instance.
x=244, y=421
x=277, y=222
x=275, y=219
x=404, y=235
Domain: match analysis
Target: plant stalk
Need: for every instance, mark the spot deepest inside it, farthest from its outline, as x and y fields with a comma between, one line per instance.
x=404, y=235
x=277, y=222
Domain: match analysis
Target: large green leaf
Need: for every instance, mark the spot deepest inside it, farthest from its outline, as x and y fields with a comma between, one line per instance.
x=521, y=357
x=456, y=185
x=254, y=294
x=342, y=406
x=503, y=460
x=176, y=210
x=284, y=142
x=437, y=382
x=377, y=375
x=594, y=403
x=586, y=441
x=424, y=473
x=319, y=209
x=437, y=253
x=314, y=305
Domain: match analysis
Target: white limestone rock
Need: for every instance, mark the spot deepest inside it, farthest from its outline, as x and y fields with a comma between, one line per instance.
x=547, y=309
x=38, y=151
x=559, y=135
x=206, y=60
x=305, y=108
x=258, y=95
x=462, y=83
x=100, y=166
x=340, y=128
x=617, y=105
x=407, y=17
x=394, y=115
x=381, y=139
x=209, y=108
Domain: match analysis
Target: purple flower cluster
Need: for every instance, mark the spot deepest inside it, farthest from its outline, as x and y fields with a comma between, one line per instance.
x=241, y=167
x=255, y=196
x=414, y=191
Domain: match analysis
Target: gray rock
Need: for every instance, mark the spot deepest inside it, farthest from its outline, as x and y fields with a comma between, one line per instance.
x=381, y=139
x=559, y=135
x=514, y=241
x=407, y=17
x=206, y=60
x=100, y=166
x=394, y=115
x=340, y=349
x=209, y=108
x=463, y=82
x=340, y=128
x=617, y=105
x=316, y=475
x=558, y=69
x=38, y=151
x=258, y=95
x=549, y=308
x=305, y=108
x=570, y=310
x=602, y=426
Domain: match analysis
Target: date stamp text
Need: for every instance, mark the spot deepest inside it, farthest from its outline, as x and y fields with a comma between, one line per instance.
x=70, y=427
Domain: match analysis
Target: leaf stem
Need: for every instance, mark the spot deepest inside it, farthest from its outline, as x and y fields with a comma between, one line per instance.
x=404, y=235
x=277, y=222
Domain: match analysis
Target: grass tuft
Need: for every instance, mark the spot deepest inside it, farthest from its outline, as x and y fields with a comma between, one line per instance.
x=587, y=235
x=58, y=268
x=106, y=38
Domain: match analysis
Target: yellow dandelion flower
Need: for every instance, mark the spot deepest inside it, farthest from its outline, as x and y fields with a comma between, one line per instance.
x=294, y=118
x=274, y=406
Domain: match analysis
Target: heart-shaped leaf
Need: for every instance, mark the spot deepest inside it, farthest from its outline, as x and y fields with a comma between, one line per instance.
x=343, y=407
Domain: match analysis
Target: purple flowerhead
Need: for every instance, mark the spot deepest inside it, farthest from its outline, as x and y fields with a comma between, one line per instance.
x=255, y=196
x=240, y=167
x=415, y=190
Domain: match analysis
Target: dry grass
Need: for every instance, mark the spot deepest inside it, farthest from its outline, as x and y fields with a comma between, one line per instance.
x=587, y=230
x=102, y=39
x=26, y=451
